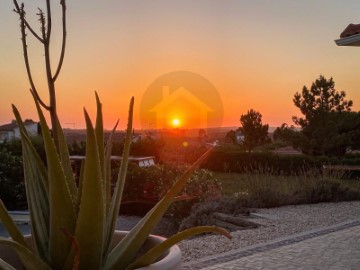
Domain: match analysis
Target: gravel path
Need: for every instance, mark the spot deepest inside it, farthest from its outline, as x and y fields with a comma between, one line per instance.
x=279, y=222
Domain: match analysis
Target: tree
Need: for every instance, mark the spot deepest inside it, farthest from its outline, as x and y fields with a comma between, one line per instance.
x=321, y=97
x=45, y=39
x=328, y=127
x=255, y=133
x=231, y=137
x=331, y=133
x=288, y=135
x=202, y=136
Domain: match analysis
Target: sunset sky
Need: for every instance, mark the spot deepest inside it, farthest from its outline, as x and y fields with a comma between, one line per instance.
x=256, y=53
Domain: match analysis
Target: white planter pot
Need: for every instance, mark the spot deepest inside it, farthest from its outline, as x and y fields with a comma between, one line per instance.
x=171, y=260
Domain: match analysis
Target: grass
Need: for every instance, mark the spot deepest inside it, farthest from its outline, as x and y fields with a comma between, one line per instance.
x=263, y=189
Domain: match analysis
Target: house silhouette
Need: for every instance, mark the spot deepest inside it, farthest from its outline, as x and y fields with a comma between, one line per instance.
x=169, y=99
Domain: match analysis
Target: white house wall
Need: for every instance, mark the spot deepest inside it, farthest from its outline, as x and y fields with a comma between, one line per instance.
x=32, y=130
x=6, y=135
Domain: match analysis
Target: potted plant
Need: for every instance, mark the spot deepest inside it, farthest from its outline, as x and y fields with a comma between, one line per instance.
x=73, y=225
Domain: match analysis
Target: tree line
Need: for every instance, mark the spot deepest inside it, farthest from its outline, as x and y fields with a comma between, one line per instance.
x=328, y=125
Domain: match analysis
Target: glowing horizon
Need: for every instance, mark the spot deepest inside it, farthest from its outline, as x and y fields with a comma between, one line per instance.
x=256, y=54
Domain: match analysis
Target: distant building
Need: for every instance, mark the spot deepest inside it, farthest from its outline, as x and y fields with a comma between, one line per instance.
x=11, y=131
x=239, y=137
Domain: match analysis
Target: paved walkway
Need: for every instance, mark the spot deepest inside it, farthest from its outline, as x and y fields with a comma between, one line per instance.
x=335, y=247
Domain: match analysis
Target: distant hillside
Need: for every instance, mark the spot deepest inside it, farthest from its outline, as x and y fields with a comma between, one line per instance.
x=79, y=135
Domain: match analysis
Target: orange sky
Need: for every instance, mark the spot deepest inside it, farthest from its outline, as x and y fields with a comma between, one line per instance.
x=257, y=54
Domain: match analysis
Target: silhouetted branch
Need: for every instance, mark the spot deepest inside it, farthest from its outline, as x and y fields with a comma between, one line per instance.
x=17, y=10
x=45, y=26
x=48, y=9
x=21, y=13
x=42, y=25
x=61, y=60
x=35, y=93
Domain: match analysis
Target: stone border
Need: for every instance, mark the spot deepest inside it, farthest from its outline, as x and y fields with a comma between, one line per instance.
x=262, y=247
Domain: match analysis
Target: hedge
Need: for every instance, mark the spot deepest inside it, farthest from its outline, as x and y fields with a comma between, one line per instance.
x=230, y=159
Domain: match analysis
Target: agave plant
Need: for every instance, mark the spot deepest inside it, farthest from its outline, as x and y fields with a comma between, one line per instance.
x=73, y=224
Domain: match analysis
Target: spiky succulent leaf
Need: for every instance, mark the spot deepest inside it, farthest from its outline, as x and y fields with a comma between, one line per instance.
x=124, y=253
x=153, y=254
x=25, y=140
x=5, y=266
x=107, y=162
x=91, y=219
x=10, y=226
x=27, y=257
x=116, y=199
x=81, y=178
x=62, y=210
x=99, y=134
x=65, y=160
x=37, y=188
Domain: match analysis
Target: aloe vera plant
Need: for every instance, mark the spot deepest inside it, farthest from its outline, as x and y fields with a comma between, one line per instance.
x=73, y=224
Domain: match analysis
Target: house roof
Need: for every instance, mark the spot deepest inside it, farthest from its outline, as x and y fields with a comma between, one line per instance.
x=350, y=30
x=350, y=36
x=8, y=127
x=13, y=125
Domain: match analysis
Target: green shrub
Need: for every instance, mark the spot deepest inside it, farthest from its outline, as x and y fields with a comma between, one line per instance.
x=147, y=183
x=201, y=187
x=268, y=190
x=150, y=184
x=12, y=188
x=246, y=191
x=331, y=191
x=201, y=212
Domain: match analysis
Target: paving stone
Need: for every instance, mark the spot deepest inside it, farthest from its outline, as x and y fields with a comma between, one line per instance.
x=335, y=250
x=333, y=247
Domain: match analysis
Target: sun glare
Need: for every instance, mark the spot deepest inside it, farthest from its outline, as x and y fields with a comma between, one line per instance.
x=175, y=122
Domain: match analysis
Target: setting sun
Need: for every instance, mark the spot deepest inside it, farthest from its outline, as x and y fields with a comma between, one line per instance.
x=175, y=122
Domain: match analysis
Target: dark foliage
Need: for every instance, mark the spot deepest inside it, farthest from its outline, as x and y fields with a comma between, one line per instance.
x=327, y=133
x=146, y=186
x=255, y=133
x=12, y=187
x=321, y=97
x=231, y=159
x=230, y=137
